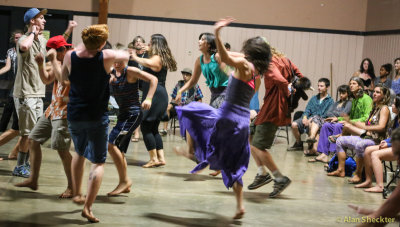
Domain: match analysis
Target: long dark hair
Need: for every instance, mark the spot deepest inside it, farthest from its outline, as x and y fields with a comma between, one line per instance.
x=370, y=70
x=210, y=38
x=159, y=46
x=258, y=52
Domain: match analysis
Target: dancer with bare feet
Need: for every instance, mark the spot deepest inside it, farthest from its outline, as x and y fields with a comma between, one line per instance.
x=53, y=124
x=227, y=141
x=125, y=85
x=369, y=133
x=88, y=68
x=159, y=62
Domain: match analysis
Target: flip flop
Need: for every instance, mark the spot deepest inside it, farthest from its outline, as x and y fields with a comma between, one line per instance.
x=308, y=153
x=333, y=139
x=309, y=140
x=135, y=140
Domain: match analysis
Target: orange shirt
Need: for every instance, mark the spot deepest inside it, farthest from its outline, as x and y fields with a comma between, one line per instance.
x=276, y=81
x=59, y=99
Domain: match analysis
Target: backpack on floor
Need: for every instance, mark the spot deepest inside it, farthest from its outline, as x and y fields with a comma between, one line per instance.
x=349, y=166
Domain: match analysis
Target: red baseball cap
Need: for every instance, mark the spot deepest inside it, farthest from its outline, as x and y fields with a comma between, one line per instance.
x=56, y=42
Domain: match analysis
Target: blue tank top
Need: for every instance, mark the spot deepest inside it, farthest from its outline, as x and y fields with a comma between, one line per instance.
x=239, y=92
x=89, y=93
x=215, y=77
x=127, y=96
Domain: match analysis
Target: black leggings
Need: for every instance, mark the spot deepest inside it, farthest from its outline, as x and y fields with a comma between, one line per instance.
x=151, y=137
x=9, y=109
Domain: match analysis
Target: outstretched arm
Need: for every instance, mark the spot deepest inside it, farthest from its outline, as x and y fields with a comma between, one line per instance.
x=71, y=25
x=193, y=80
x=154, y=63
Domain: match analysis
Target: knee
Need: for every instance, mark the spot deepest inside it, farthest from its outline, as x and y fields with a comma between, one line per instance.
x=375, y=156
x=294, y=125
x=33, y=143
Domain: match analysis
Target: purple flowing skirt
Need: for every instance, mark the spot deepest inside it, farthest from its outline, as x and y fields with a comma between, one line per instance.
x=221, y=137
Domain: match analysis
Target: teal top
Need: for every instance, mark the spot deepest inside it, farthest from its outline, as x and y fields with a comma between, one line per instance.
x=215, y=77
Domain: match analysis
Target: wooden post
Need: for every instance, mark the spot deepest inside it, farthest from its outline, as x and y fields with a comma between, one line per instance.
x=103, y=11
x=331, y=68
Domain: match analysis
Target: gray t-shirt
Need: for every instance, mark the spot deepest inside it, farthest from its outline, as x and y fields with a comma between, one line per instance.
x=27, y=82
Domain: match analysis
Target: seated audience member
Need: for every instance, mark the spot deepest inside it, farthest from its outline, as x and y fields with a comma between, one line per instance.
x=364, y=134
x=338, y=109
x=367, y=74
x=317, y=106
x=384, y=77
x=389, y=210
x=193, y=94
x=396, y=79
x=374, y=155
x=360, y=108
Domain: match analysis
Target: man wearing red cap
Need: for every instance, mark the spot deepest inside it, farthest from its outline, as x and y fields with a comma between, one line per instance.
x=53, y=124
x=28, y=88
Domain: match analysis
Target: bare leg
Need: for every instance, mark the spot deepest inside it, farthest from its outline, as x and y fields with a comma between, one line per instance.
x=14, y=153
x=189, y=152
x=357, y=174
x=8, y=135
x=265, y=158
x=340, y=171
x=66, y=159
x=136, y=135
x=349, y=129
x=237, y=189
x=124, y=185
x=377, y=157
x=313, y=130
x=368, y=167
x=153, y=159
x=296, y=132
x=165, y=125
x=36, y=160
x=95, y=178
x=160, y=157
x=77, y=169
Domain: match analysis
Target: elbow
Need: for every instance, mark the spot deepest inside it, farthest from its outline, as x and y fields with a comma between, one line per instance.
x=23, y=48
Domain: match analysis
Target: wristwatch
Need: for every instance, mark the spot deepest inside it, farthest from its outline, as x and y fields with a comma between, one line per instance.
x=31, y=33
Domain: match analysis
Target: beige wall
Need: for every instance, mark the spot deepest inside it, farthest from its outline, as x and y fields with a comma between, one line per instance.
x=332, y=14
x=382, y=49
x=383, y=15
x=311, y=52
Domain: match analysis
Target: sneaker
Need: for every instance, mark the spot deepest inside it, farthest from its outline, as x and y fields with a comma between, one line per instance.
x=163, y=132
x=259, y=181
x=297, y=146
x=280, y=186
x=21, y=171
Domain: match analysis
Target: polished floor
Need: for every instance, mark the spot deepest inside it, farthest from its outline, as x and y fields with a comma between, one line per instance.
x=170, y=196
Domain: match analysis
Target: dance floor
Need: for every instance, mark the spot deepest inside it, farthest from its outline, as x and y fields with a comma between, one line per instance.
x=171, y=196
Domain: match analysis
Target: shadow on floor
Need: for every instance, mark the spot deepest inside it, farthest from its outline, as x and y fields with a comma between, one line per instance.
x=212, y=220
x=5, y=172
x=255, y=197
x=47, y=217
x=189, y=176
x=20, y=194
x=133, y=162
x=120, y=199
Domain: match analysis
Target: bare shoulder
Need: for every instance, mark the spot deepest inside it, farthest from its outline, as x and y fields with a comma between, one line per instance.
x=107, y=54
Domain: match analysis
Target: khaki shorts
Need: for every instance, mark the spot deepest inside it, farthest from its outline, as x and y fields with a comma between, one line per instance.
x=263, y=135
x=28, y=110
x=57, y=130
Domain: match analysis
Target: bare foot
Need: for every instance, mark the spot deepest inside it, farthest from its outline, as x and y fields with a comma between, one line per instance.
x=183, y=152
x=66, y=194
x=79, y=199
x=355, y=179
x=336, y=173
x=12, y=156
x=121, y=188
x=29, y=184
x=89, y=215
x=161, y=162
x=215, y=173
x=151, y=164
x=239, y=214
x=365, y=184
x=1, y=159
x=376, y=189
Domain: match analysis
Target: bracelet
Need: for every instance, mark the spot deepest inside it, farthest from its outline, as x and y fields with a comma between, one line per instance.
x=179, y=93
x=66, y=34
x=148, y=99
x=40, y=66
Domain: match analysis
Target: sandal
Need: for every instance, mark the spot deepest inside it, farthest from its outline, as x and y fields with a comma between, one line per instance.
x=135, y=140
x=309, y=153
x=333, y=139
x=312, y=141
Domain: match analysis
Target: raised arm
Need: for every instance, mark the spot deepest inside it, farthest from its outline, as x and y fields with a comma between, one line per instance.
x=111, y=56
x=26, y=43
x=71, y=25
x=7, y=67
x=135, y=73
x=66, y=67
x=45, y=76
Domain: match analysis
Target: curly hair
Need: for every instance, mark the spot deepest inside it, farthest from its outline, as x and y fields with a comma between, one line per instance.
x=159, y=46
x=360, y=83
x=370, y=70
x=95, y=36
x=277, y=53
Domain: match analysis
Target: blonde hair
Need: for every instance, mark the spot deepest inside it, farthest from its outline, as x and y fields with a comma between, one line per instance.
x=95, y=36
x=277, y=53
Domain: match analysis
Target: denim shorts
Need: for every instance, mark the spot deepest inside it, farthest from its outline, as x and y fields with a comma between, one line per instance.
x=90, y=138
x=122, y=132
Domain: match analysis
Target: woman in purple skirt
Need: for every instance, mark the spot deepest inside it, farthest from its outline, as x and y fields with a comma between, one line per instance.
x=222, y=135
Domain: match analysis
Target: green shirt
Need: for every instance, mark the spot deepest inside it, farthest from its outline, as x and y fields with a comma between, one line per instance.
x=360, y=109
